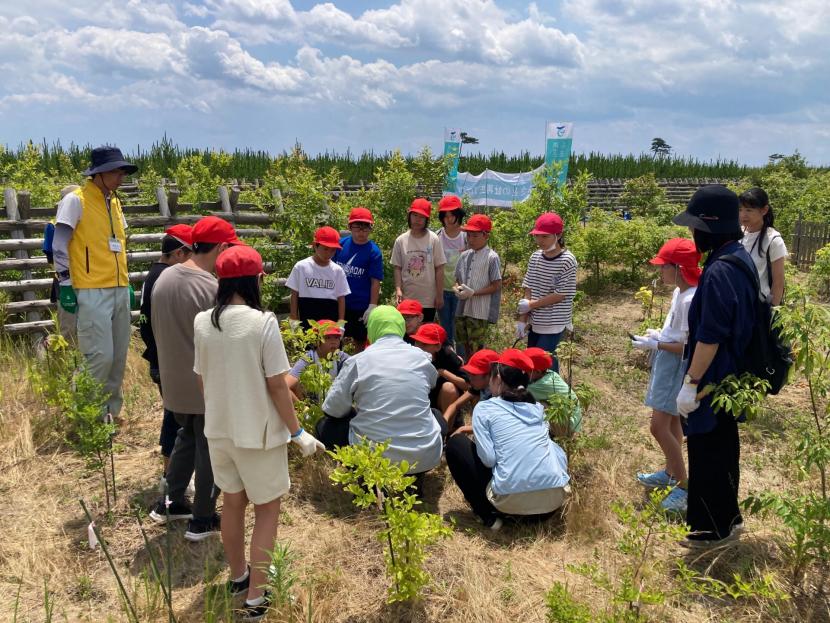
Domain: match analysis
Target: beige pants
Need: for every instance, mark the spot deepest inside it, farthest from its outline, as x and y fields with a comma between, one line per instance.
x=103, y=325
x=529, y=503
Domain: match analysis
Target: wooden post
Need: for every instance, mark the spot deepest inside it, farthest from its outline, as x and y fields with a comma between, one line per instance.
x=798, y=241
x=224, y=199
x=279, y=207
x=161, y=196
x=13, y=214
x=173, y=200
x=234, y=198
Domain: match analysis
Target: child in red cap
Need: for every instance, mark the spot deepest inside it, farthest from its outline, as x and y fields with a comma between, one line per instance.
x=478, y=279
x=545, y=383
x=418, y=259
x=452, y=380
x=678, y=261
x=330, y=339
x=413, y=315
x=454, y=242
x=478, y=376
x=318, y=285
x=549, y=287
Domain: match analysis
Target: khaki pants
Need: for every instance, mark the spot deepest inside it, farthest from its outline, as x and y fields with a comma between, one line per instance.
x=103, y=324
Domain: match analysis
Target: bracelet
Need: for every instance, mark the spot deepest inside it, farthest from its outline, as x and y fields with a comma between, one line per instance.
x=298, y=433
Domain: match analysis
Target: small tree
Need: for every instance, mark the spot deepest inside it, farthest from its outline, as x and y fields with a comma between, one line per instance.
x=643, y=195
x=660, y=148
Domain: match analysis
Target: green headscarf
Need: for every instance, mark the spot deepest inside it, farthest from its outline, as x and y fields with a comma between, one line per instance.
x=385, y=320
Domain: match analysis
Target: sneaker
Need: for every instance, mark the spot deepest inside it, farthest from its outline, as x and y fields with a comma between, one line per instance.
x=690, y=542
x=494, y=523
x=676, y=501
x=201, y=529
x=255, y=613
x=654, y=480
x=237, y=588
x=176, y=511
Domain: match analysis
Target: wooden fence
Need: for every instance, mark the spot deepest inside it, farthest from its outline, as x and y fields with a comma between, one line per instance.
x=808, y=238
x=26, y=276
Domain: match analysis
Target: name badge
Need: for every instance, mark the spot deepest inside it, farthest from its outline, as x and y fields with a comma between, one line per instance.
x=115, y=245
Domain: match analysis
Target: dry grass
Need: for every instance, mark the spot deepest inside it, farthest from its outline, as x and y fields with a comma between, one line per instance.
x=478, y=576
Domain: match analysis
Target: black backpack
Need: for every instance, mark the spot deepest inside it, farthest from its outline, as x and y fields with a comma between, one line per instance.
x=767, y=356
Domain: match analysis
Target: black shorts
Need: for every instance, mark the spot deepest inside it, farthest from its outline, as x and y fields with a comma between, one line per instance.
x=355, y=328
x=429, y=314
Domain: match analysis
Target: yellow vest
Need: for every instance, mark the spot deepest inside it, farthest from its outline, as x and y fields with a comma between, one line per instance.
x=92, y=264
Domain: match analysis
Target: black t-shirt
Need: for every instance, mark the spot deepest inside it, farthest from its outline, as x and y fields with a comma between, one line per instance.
x=447, y=359
x=144, y=326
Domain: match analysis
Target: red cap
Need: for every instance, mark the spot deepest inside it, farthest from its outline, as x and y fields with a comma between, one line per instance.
x=421, y=206
x=183, y=233
x=430, y=333
x=681, y=252
x=329, y=327
x=548, y=223
x=239, y=261
x=214, y=230
x=480, y=361
x=328, y=237
x=478, y=222
x=361, y=215
x=410, y=307
x=449, y=203
x=515, y=358
x=540, y=357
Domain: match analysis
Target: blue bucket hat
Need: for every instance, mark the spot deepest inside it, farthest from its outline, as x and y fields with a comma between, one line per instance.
x=106, y=158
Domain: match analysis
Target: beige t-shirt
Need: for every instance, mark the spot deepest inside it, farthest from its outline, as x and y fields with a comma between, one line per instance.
x=234, y=364
x=418, y=258
x=180, y=293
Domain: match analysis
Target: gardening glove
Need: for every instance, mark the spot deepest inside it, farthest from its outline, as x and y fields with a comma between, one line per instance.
x=687, y=400
x=132, y=297
x=524, y=306
x=653, y=333
x=464, y=292
x=365, y=317
x=294, y=325
x=308, y=444
x=68, y=300
x=521, y=330
x=641, y=342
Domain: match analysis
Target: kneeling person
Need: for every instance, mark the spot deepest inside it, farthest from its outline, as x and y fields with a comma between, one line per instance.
x=328, y=349
x=545, y=383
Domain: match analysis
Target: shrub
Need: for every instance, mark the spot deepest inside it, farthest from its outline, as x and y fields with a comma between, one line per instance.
x=643, y=196
x=820, y=272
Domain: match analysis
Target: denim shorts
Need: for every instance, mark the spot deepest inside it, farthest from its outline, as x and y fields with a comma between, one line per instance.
x=667, y=372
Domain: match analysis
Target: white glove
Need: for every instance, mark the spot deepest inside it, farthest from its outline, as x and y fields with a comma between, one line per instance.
x=521, y=329
x=294, y=324
x=641, y=342
x=524, y=306
x=653, y=333
x=464, y=291
x=365, y=317
x=687, y=400
x=308, y=444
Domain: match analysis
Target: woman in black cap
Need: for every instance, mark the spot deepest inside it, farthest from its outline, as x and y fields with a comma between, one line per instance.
x=721, y=317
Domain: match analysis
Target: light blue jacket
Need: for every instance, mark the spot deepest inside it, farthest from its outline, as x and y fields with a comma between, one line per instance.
x=389, y=384
x=512, y=438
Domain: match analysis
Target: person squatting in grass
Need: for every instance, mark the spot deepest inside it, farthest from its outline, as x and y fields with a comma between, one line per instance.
x=418, y=260
x=328, y=347
x=240, y=362
x=513, y=468
x=721, y=317
x=545, y=384
x=678, y=260
x=318, y=285
x=763, y=242
x=454, y=242
x=478, y=286
x=176, y=248
x=549, y=288
x=452, y=380
x=361, y=260
x=478, y=375
x=90, y=255
x=180, y=293
x=413, y=316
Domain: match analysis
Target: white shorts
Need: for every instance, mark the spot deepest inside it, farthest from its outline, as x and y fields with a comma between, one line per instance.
x=262, y=474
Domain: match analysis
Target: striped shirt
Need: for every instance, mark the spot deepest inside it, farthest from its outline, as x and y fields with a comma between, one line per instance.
x=548, y=276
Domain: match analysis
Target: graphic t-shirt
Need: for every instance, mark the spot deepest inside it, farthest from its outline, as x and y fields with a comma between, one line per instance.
x=418, y=258
x=453, y=248
x=361, y=263
x=318, y=288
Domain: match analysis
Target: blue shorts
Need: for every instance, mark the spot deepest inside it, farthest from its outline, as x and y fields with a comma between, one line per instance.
x=667, y=372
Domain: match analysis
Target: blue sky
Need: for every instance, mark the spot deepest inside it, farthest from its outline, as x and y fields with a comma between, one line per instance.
x=735, y=79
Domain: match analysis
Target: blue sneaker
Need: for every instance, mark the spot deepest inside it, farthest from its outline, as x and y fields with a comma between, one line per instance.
x=676, y=501
x=656, y=479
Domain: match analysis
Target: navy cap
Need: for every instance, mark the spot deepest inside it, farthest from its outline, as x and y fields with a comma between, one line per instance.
x=108, y=158
x=714, y=209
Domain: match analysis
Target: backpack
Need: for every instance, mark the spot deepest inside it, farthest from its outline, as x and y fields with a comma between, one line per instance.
x=767, y=356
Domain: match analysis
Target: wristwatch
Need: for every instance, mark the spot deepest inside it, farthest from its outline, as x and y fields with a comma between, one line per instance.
x=688, y=380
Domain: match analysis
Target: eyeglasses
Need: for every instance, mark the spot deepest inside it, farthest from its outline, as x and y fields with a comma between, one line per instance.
x=361, y=226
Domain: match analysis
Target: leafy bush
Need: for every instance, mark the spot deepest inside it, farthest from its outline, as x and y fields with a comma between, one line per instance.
x=195, y=181
x=820, y=272
x=643, y=196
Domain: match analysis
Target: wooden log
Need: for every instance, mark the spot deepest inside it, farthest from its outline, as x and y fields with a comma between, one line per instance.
x=224, y=199
x=161, y=196
x=173, y=201
x=42, y=325
x=23, y=285
x=234, y=199
x=21, y=255
x=41, y=262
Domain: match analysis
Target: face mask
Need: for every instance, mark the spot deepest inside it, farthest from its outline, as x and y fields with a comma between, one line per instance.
x=553, y=246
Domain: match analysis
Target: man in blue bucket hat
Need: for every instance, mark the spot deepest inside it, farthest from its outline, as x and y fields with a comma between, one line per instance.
x=90, y=256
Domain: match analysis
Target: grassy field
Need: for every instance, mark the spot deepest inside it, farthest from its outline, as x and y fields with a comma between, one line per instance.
x=478, y=576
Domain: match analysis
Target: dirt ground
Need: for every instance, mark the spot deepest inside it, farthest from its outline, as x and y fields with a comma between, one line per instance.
x=47, y=569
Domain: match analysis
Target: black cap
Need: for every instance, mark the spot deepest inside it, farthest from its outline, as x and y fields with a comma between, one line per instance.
x=713, y=209
x=108, y=158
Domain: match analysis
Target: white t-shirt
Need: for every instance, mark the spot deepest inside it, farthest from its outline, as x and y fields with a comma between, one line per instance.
x=676, y=325
x=70, y=211
x=234, y=364
x=311, y=280
x=774, y=242
x=418, y=258
x=453, y=248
